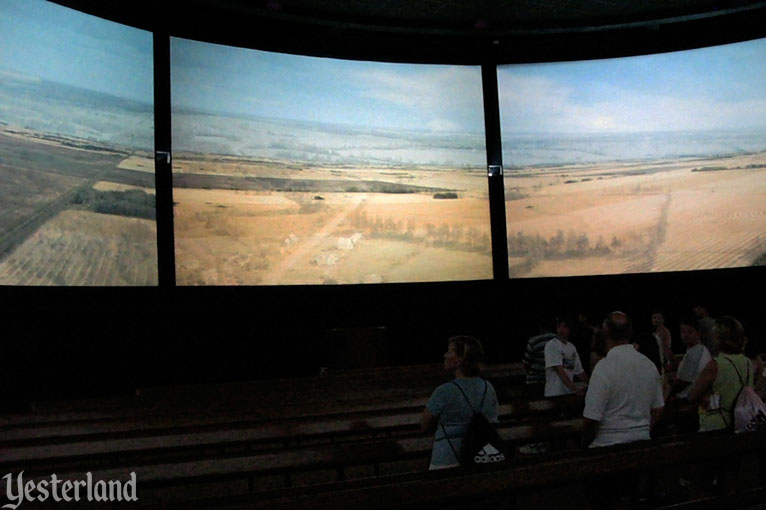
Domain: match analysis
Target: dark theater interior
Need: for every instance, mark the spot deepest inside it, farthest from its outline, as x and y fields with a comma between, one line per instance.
x=236, y=237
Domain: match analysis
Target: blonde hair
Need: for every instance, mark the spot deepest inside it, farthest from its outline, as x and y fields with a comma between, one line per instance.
x=729, y=335
x=470, y=349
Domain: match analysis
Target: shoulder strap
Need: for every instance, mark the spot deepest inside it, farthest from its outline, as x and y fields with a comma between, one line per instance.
x=469, y=401
x=454, y=452
x=444, y=430
x=743, y=383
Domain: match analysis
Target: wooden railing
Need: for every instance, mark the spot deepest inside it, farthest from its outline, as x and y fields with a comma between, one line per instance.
x=738, y=461
x=363, y=451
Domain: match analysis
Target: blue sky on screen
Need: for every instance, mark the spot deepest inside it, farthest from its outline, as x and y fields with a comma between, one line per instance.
x=720, y=87
x=217, y=78
x=44, y=40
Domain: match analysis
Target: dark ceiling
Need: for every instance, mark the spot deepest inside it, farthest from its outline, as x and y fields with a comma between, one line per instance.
x=470, y=14
x=469, y=31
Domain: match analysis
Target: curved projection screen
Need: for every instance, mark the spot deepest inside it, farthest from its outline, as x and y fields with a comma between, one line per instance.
x=76, y=135
x=652, y=163
x=301, y=170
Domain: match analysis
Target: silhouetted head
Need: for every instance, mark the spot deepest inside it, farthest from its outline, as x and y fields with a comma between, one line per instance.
x=466, y=353
x=690, y=330
x=617, y=327
x=700, y=310
x=563, y=327
x=728, y=335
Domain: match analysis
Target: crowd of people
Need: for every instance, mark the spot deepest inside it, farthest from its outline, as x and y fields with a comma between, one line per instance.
x=626, y=381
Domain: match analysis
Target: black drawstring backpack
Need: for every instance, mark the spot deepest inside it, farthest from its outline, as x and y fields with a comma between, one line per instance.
x=481, y=442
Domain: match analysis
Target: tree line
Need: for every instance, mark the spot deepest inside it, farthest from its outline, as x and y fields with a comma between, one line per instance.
x=454, y=236
x=132, y=203
x=573, y=244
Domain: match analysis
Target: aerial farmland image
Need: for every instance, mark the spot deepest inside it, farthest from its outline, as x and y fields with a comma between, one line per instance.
x=666, y=214
x=639, y=164
x=76, y=139
x=302, y=170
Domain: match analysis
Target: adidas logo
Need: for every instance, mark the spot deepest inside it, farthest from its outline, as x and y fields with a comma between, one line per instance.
x=489, y=454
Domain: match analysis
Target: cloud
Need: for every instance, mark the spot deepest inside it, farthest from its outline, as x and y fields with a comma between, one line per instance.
x=541, y=104
x=648, y=112
x=441, y=98
x=11, y=76
x=443, y=125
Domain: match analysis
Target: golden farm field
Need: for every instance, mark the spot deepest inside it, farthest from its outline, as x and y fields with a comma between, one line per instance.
x=85, y=248
x=657, y=216
x=400, y=261
x=138, y=163
x=114, y=186
x=688, y=213
x=253, y=237
x=716, y=224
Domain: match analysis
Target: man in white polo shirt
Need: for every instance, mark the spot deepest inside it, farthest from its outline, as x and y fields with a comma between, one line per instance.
x=624, y=398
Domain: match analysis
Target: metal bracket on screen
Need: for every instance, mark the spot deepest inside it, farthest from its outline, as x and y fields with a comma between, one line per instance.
x=494, y=170
x=162, y=157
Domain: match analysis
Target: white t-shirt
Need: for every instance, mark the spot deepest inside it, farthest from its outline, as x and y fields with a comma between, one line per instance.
x=661, y=347
x=558, y=353
x=624, y=388
x=695, y=360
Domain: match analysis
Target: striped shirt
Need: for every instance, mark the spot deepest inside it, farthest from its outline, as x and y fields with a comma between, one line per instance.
x=534, y=358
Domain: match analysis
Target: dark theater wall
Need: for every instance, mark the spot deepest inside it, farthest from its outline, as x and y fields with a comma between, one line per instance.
x=82, y=342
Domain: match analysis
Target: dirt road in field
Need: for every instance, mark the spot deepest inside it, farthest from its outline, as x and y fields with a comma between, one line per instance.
x=309, y=246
